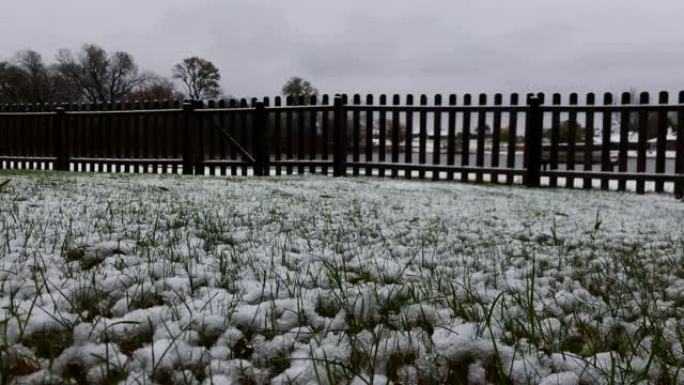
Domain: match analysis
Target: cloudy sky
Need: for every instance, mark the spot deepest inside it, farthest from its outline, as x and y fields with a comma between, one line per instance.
x=376, y=45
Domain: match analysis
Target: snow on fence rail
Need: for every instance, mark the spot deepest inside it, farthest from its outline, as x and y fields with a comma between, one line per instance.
x=632, y=145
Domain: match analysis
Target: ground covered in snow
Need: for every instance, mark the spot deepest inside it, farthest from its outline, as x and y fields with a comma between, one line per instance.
x=195, y=280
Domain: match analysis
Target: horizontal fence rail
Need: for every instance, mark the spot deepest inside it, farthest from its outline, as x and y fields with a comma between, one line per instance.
x=630, y=143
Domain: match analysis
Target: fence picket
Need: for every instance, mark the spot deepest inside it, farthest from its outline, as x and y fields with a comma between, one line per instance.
x=422, y=140
x=436, y=137
x=22, y=142
x=661, y=143
x=231, y=120
x=175, y=124
x=94, y=138
x=188, y=116
x=301, y=135
x=106, y=128
x=481, y=123
x=277, y=134
x=18, y=129
x=369, y=133
x=605, y=139
x=451, y=136
x=555, y=138
x=120, y=127
x=382, y=145
x=18, y=137
x=312, y=134
x=46, y=123
x=512, y=138
x=289, y=151
x=340, y=136
x=76, y=125
x=408, y=151
x=100, y=133
x=33, y=135
x=395, y=135
x=625, y=119
x=356, y=133
x=210, y=136
x=642, y=142
x=533, y=140
x=496, y=137
x=465, y=152
x=571, y=141
x=9, y=136
x=325, y=130
x=28, y=127
x=589, y=140
x=145, y=140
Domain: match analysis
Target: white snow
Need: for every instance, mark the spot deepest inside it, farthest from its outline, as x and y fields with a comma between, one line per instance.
x=315, y=280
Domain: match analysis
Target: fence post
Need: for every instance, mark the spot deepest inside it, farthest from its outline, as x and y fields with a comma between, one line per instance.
x=259, y=139
x=679, y=147
x=61, y=140
x=188, y=144
x=533, y=142
x=339, y=138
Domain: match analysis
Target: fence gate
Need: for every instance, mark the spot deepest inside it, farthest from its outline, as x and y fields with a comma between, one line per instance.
x=219, y=138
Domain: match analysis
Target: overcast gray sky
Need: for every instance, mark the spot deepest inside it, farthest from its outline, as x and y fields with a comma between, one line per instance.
x=376, y=45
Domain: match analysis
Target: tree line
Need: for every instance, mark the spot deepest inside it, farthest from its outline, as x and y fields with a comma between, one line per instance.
x=94, y=75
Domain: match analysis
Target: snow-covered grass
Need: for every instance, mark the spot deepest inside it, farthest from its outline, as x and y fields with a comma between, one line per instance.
x=195, y=280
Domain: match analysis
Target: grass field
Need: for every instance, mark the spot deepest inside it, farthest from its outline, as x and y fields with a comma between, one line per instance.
x=191, y=280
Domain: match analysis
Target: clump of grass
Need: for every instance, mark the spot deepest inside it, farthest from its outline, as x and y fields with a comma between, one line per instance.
x=143, y=299
x=129, y=343
x=49, y=343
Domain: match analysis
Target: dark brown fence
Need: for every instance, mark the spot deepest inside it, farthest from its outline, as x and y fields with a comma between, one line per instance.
x=631, y=145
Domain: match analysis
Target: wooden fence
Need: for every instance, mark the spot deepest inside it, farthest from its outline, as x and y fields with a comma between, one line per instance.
x=631, y=145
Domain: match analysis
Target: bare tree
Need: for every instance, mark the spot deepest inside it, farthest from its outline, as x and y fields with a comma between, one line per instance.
x=11, y=83
x=62, y=89
x=26, y=79
x=200, y=78
x=157, y=88
x=98, y=76
x=36, y=76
